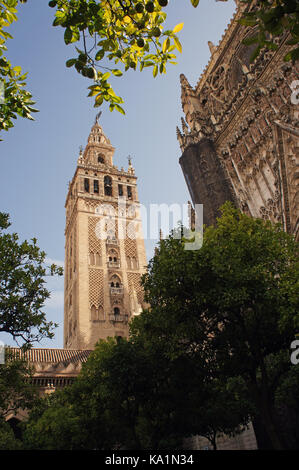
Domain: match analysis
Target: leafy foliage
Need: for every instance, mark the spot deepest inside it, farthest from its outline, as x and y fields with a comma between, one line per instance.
x=235, y=300
x=57, y=427
x=22, y=287
x=14, y=98
x=272, y=19
x=128, y=33
x=8, y=440
x=16, y=391
x=82, y=416
x=114, y=36
x=130, y=396
x=210, y=353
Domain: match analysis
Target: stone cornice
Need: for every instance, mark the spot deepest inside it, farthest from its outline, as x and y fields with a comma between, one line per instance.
x=113, y=170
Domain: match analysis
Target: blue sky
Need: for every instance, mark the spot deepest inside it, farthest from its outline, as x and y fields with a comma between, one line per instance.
x=38, y=158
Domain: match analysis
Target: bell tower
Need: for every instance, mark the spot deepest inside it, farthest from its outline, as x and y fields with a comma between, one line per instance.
x=104, y=247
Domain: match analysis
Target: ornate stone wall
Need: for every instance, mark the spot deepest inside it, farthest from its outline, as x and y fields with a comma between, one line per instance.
x=245, y=110
x=239, y=142
x=206, y=178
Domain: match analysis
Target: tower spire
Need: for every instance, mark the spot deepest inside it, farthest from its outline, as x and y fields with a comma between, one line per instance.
x=130, y=167
x=187, y=92
x=97, y=136
x=104, y=248
x=96, y=121
x=212, y=47
x=184, y=82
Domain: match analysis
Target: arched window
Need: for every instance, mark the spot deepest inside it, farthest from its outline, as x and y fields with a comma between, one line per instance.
x=116, y=311
x=101, y=315
x=113, y=258
x=108, y=186
x=94, y=313
x=101, y=159
x=115, y=283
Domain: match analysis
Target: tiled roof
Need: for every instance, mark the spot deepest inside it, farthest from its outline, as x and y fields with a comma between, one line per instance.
x=52, y=355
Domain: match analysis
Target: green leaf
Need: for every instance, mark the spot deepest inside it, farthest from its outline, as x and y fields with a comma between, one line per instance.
x=194, y=3
x=17, y=70
x=70, y=62
x=252, y=40
x=119, y=109
x=94, y=90
x=166, y=45
x=116, y=72
x=177, y=44
x=293, y=55
x=71, y=36
x=105, y=76
x=162, y=68
x=248, y=21
x=100, y=54
x=68, y=34
x=178, y=27
x=76, y=36
x=60, y=18
x=99, y=100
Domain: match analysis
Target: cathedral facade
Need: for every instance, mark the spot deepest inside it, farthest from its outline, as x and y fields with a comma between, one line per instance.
x=239, y=137
x=240, y=143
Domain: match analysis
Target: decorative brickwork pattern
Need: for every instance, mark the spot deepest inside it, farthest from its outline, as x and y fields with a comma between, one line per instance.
x=96, y=288
x=94, y=241
x=131, y=248
x=240, y=139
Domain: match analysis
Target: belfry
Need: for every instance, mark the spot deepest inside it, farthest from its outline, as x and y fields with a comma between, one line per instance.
x=104, y=247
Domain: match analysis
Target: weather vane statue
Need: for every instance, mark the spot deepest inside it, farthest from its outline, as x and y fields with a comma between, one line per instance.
x=98, y=117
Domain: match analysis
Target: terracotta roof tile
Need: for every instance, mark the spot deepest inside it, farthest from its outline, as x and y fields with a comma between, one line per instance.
x=52, y=355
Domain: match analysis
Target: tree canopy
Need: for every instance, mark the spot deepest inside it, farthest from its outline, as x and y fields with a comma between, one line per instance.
x=113, y=36
x=234, y=302
x=132, y=397
x=271, y=19
x=210, y=354
x=23, y=274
